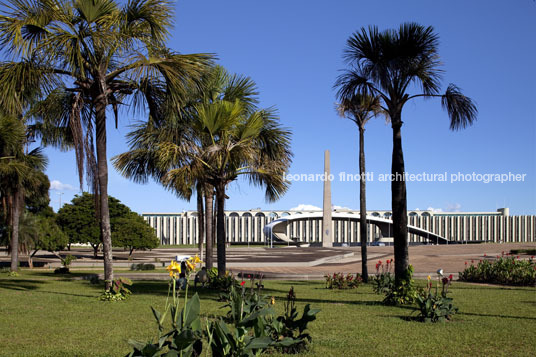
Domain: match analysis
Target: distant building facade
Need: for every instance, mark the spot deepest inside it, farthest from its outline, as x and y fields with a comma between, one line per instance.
x=244, y=227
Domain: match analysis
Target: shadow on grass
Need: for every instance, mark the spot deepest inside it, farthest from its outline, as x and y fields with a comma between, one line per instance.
x=161, y=288
x=21, y=284
x=501, y=316
x=472, y=285
x=340, y=302
x=66, y=294
x=54, y=276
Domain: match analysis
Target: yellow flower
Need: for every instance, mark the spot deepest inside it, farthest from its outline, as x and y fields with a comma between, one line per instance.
x=196, y=259
x=272, y=301
x=429, y=278
x=173, y=268
x=190, y=265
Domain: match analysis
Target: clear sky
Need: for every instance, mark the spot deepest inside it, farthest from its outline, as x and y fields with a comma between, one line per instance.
x=292, y=49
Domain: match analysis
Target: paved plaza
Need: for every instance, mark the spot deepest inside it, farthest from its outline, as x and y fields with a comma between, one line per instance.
x=299, y=262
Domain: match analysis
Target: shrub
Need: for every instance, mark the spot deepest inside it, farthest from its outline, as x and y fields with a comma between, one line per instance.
x=402, y=292
x=118, y=291
x=221, y=283
x=384, y=279
x=435, y=306
x=66, y=262
x=341, y=281
x=508, y=270
x=142, y=266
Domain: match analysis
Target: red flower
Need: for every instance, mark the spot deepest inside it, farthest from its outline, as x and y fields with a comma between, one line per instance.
x=242, y=283
x=465, y=263
x=502, y=252
x=518, y=257
x=450, y=277
x=445, y=280
x=472, y=261
x=498, y=257
x=379, y=261
x=532, y=257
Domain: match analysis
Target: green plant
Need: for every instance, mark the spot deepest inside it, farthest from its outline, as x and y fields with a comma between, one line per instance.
x=341, y=281
x=221, y=283
x=505, y=269
x=256, y=329
x=242, y=302
x=118, y=290
x=402, y=291
x=288, y=327
x=384, y=279
x=225, y=341
x=142, y=266
x=186, y=334
x=67, y=260
x=436, y=306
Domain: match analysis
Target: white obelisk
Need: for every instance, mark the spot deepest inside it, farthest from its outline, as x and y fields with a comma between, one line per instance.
x=327, y=237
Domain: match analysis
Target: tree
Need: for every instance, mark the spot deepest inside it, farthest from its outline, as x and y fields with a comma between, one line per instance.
x=21, y=175
x=79, y=222
x=242, y=143
x=77, y=219
x=133, y=232
x=388, y=65
x=92, y=55
x=173, y=141
x=40, y=233
x=360, y=109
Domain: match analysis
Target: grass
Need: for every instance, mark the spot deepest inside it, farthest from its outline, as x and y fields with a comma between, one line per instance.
x=47, y=315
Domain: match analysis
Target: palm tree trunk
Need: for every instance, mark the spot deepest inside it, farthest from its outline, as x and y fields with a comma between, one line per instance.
x=399, y=201
x=220, y=228
x=15, y=217
x=200, y=218
x=209, y=220
x=363, y=205
x=102, y=172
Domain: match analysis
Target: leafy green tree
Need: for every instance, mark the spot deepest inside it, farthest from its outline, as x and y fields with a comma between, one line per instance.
x=85, y=57
x=133, y=232
x=389, y=65
x=21, y=175
x=77, y=219
x=360, y=109
x=40, y=233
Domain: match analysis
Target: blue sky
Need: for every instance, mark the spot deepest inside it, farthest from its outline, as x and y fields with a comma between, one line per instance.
x=292, y=49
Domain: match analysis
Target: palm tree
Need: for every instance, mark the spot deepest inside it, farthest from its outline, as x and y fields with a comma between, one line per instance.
x=360, y=109
x=242, y=143
x=21, y=174
x=390, y=64
x=158, y=146
x=92, y=55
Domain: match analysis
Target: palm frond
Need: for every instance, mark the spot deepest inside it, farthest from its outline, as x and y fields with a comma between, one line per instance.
x=461, y=109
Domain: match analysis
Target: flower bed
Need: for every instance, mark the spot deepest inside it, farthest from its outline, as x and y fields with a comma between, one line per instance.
x=505, y=269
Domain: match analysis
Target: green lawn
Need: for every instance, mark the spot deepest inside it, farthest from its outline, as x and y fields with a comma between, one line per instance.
x=45, y=315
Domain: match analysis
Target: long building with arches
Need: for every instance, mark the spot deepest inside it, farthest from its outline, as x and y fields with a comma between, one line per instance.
x=243, y=227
